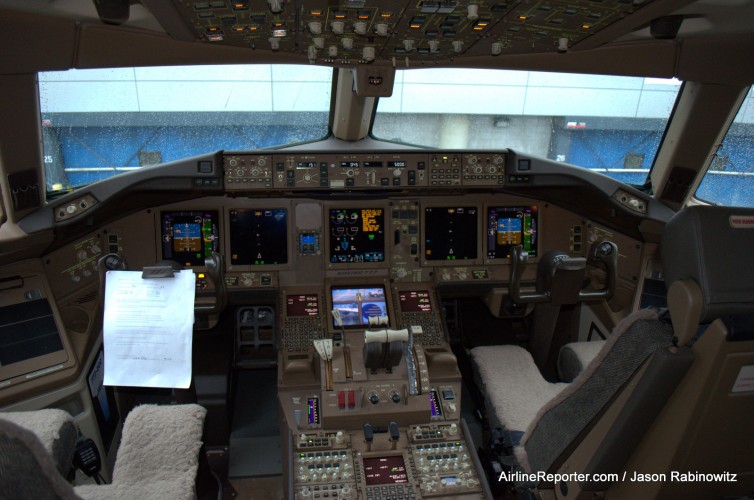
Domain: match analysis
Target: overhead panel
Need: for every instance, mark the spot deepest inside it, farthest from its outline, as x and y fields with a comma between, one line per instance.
x=404, y=33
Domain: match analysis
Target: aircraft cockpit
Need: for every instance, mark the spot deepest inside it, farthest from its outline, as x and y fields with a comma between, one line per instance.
x=368, y=249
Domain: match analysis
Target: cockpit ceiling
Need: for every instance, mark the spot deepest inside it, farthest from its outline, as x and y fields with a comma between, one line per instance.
x=362, y=31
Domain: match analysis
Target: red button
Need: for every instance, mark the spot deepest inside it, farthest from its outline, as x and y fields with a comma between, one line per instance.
x=341, y=400
x=351, y=399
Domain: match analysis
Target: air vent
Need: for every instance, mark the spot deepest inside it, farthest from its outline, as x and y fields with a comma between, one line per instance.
x=86, y=298
x=678, y=184
x=24, y=189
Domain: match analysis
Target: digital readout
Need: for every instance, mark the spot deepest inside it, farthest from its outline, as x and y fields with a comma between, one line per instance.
x=396, y=164
x=385, y=470
x=302, y=305
x=412, y=301
x=349, y=164
x=357, y=235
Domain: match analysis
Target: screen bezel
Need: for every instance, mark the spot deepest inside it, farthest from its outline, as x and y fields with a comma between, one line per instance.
x=524, y=203
x=451, y=263
x=261, y=267
x=326, y=244
x=344, y=284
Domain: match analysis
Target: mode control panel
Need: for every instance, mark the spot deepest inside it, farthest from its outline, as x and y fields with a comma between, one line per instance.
x=374, y=171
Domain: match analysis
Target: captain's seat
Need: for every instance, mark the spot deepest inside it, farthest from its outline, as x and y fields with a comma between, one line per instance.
x=596, y=423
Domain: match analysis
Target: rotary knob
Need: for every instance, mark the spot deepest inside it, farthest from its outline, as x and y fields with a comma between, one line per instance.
x=239, y=172
x=254, y=172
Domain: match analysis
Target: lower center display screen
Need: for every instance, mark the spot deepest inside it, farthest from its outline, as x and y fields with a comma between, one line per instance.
x=357, y=305
x=450, y=233
x=357, y=235
x=385, y=470
x=415, y=301
x=258, y=237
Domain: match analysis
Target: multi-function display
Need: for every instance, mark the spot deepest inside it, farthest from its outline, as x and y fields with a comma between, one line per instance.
x=415, y=301
x=357, y=305
x=385, y=470
x=302, y=305
x=189, y=237
x=357, y=235
x=258, y=237
x=450, y=233
x=511, y=226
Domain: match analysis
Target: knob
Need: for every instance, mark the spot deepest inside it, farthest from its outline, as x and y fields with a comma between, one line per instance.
x=453, y=429
x=408, y=45
x=70, y=209
x=472, y=12
x=232, y=162
x=457, y=46
x=276, y=6
x=339, y=437
x=360, y=27
x=434, y=46
x=382, y=29
x=497, y=48
x=338, y=27
x=374, y=398
x=319, y=42
x=239, y=172
x=262, y=162
x=491, y=169
x=368, y=53
x=255, y=171
x=395, y=397
x=315, y=27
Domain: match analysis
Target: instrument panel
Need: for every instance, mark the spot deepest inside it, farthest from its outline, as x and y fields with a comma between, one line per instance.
x=423, y=238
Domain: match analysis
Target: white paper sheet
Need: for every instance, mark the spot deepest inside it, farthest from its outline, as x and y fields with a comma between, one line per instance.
x=148, y=329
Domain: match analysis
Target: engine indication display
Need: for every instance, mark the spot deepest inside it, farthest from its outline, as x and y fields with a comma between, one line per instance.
x=189, y=237
x=258, y=236
x=450, y=233
x=357, y=235
x=511, y=226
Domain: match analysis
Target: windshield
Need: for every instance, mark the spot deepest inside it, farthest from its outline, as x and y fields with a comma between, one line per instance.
x=610, y=124
x=730, y=177
x=100, y=123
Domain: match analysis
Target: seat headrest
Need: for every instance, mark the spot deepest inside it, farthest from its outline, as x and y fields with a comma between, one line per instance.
x=713, y=246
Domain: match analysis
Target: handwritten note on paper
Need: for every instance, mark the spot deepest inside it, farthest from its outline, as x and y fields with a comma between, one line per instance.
x=147, y=329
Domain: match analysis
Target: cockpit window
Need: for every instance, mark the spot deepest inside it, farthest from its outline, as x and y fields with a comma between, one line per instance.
x=730, y=178
x=610, y=124
x=102, y=122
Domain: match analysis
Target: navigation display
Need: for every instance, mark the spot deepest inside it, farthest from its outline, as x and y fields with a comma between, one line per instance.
x=385, y=470
x=302, y=305
x=357, y=305
x=450, y=233
x=258, y=237
x=511, y=226
x=415, y=301
x=189, y=237
x=357, y=235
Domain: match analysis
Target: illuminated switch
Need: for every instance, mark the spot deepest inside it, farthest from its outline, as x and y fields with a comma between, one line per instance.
x=434, y=45
x=347, y=43
x=457, y=46
x=497, y=48
x=274, y=43
x=473, y=12
x=382, y=29
x=332, y=51
x=408, y=45
x=312, y=52
x=360, y=27
x=319, y=42
x=351, y=399
x=368, y=53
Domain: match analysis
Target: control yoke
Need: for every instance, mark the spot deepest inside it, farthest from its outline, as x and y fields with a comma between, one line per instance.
x=560, y=277
x=560, y=281
x=215, y=264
